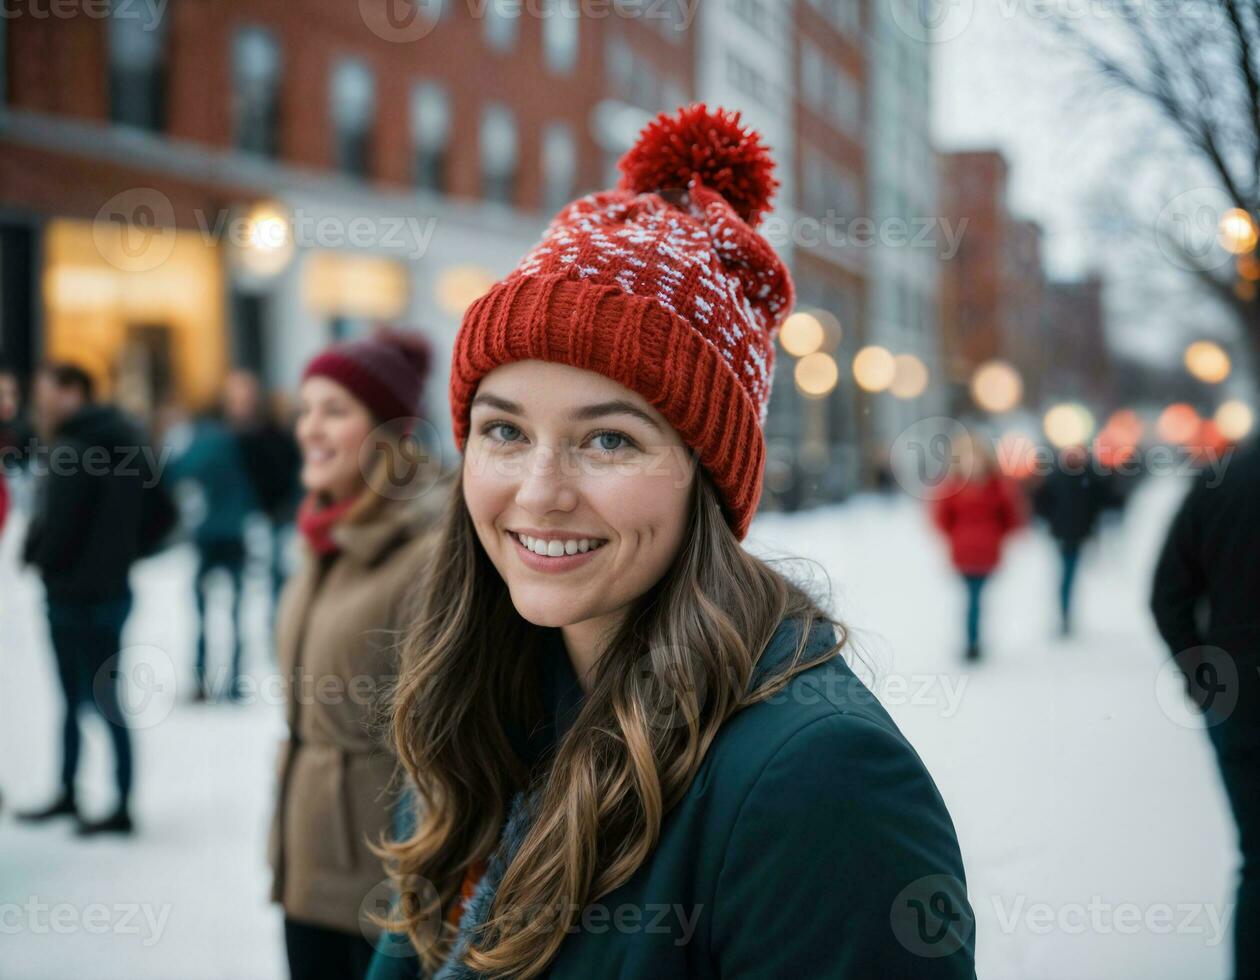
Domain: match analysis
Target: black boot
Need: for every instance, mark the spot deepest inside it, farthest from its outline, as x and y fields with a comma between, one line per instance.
x=972, y=654
x=62, y=806
x=118, y=822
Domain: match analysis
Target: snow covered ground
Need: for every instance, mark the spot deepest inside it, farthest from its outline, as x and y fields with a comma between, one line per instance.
x=1092, y=822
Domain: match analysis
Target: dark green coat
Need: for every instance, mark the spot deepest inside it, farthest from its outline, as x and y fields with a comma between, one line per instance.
x=812, y=843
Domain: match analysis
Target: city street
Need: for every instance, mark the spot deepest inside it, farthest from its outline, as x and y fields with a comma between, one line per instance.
x=1093, y=826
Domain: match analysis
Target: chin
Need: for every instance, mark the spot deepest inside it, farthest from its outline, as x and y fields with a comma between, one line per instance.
x=547, y=610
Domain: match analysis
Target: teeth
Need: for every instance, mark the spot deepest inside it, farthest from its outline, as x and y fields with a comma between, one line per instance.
x=556, y=549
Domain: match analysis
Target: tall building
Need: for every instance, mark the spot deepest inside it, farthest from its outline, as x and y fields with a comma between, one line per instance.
x=906, y=258
x=973, y=281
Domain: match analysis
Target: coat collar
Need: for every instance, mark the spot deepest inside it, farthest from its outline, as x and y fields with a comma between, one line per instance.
x=367, y=538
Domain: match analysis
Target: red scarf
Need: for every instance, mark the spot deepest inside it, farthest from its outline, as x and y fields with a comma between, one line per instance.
x=316, y=522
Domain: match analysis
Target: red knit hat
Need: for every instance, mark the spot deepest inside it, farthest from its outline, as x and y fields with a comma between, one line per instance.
x=661, y=285
x=386, y=371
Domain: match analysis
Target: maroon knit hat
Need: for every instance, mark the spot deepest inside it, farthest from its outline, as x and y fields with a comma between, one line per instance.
x=662, y=285
x=386, y=371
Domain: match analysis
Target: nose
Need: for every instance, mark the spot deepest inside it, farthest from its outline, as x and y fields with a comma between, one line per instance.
x=545, y=486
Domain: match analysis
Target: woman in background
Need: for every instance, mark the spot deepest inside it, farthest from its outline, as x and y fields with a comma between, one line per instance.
x=363, y=532
x=976, y=508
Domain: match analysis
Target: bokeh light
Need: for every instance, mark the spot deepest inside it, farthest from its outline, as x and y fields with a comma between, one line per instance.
x=996, y=387
x=910, y=377
x=460, y=286
x=1207, y=361
x=816, y=374
x=874, y=368
x=1234, y=419
x=1068, y=424
x=1178, y=424
x=801, y=334
x=1237, y=231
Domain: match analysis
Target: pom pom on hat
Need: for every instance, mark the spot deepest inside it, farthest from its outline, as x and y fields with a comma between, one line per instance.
x=705, y=144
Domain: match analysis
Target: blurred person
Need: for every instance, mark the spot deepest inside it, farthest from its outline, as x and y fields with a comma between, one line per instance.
x=272, y=461
x=90, y=525
x=976, y=508
x=16, y=434
x=607, y=703
x=212, y=460
x=362, y=524
x=1071, y=499
x=1204, y=600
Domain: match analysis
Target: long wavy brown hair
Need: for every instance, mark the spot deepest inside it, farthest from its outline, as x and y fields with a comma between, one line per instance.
x=684, y=654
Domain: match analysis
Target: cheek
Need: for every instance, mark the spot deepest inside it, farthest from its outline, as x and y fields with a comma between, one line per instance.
x=649, y=503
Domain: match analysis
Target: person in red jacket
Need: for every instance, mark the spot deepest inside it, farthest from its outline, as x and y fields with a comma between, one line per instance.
x=976, y=508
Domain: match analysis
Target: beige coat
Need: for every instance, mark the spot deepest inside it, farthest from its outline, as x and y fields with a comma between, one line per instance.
x=338, y=628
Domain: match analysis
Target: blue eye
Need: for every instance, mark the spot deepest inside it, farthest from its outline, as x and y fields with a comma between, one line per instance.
x=622, y=441
x=489, y=430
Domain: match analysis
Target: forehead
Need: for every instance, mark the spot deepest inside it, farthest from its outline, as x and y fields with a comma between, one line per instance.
x=543, y=388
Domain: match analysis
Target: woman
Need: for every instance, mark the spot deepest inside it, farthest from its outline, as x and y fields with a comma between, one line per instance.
x=636, y=749
x=976, y=508
x=335, y=644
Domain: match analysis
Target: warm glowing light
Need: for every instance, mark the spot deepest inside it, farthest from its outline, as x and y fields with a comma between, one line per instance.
x=355, y=285
x=1178, y=423
x=1207, y=361
x=996, y=387
x=801, y=334
x=1069, y=424
x=874, y=368
x=459, y=286
x=816, y=374
x=1249, y=266
x=1235, y=419
x=910, y=377
x=1237, y=232
x=268, y=240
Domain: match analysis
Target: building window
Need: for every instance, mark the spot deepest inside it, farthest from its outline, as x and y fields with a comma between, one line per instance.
x=256, y=90
x=828, y=91
x=498, y=154
x=559, y=165
x=501, y=21
x=353, y=98
x=430, y=135
x=747, y=80
x=560, y=35
x=137, y=69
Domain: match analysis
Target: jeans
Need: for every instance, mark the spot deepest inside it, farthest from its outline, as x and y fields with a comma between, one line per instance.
x=228, y=556
x=1071, y=554
x=975, y=584
x=86, y=636
x=1236, y=738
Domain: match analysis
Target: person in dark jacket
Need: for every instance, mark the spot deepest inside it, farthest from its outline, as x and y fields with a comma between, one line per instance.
x=212, y=461
x=86, y=533
x=976, y=508
x=272, y=461
x=636, y=747
x=1070, y=500
x=1206, y=602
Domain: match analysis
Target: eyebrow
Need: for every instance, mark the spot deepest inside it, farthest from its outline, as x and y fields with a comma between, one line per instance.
x=584, y=414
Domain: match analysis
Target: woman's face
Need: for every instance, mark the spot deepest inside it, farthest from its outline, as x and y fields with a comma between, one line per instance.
x=578, y=489
x=331, y=428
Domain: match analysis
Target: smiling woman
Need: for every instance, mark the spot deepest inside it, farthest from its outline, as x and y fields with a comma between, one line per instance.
x=637, y=750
